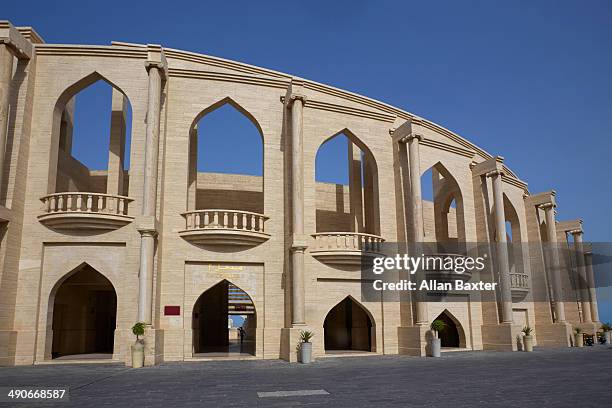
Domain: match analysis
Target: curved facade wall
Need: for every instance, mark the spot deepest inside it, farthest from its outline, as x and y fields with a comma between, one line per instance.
x=157, y=250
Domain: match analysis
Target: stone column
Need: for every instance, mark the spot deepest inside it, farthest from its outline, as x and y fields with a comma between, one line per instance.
x=6, y=74
x=416, y=207
x=116, y=151
x=551, y=231
x=582, y=277
x=355, y=186
x=502, y=248
x=588, y=260
x=149, y=200
x=298, y=246
x=192, y=185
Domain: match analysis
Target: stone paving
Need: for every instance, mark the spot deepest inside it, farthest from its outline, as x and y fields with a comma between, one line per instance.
x=576, y=378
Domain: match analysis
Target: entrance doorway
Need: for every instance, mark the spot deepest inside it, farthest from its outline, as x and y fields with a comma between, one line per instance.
x=452, y=336
x=347, y=328
x=224, y=322
x=84, y=316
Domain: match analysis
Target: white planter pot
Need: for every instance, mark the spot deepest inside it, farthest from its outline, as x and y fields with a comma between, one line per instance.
x=137, y=355
x=578, y=340
x=528, y=343
x=435, y=345
x=306, y=353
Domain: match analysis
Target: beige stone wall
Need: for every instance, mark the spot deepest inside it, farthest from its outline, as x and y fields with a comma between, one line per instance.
x=36, y=259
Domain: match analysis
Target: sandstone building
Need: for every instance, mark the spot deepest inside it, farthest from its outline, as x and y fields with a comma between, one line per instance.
x=85, y=254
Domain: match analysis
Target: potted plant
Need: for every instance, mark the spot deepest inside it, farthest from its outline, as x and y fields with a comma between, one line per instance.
x=607, y=328
x=138, y=347
x=435, y=344
x=305, y=347
x=527, y=339
x=578, y=338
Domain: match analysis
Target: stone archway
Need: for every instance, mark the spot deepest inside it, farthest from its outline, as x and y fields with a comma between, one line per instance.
x=452, y=336
x=348, y=327
x=224, y=322
x=84, y=316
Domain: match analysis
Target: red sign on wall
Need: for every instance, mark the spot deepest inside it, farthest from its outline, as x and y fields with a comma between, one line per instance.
x=172, y=310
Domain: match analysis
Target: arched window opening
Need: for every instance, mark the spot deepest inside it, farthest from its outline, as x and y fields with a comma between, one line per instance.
x=224, y=322
x=226, y=160
x=513, y=237
x=94, y=141
x=84, y=316
x=443, y=213
x=346, y=186
x=348, y=328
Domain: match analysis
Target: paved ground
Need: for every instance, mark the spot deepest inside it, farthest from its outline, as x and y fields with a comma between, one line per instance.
x=576, y=378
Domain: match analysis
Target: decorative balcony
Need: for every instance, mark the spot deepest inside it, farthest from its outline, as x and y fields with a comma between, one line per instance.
x=519, y=286
x=224, y=227
x=85, y=211
x=435, y=271
x=345, y=248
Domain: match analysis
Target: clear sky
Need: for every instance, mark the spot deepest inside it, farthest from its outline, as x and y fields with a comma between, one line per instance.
x=530, y=81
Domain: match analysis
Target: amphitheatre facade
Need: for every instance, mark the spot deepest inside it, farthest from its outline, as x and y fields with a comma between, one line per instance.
x=87, y=253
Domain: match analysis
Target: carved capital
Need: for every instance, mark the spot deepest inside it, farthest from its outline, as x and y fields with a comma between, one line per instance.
x=410, y=137
x=294, y=97
x=495, y=173
x=547, y=206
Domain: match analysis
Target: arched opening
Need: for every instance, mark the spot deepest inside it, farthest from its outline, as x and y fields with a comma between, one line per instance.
x=513, y=237
x=443, y=213
x=84, y=316
x=93, y=119
x=348, y=327
x=346, y=180
x=226, y=160
x=452, y=336
x=224, y=322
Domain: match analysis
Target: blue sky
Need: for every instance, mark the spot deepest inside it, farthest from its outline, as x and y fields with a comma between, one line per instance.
x=526, y=80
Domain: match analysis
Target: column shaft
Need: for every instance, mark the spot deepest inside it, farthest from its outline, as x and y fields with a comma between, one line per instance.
x=355, y=186
x=591, y=284
x=582, y=277
x=551, y=231
x=6, y=74
x=297, y=191
x=147, y=243
x=116, y=151
x=416, y=206
x=502, y=248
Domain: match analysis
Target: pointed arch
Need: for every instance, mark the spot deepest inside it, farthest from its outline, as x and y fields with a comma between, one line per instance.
x=362, y=195
x=448, y=229
x=227, y=101
x=67, y=173
x=81, y=314
x=211, y=332
x=453, y=335
x=349, y=326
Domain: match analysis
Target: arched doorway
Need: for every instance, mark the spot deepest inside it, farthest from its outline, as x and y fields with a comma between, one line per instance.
x=348, y=327
x=224, y=322
x=452, y=336
x=84, y=316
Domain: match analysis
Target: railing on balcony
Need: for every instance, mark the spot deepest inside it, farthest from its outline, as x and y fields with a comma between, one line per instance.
x=519, y=281
x=344, y=247
x=519, y=286
x=217, y=226
x=82, y=210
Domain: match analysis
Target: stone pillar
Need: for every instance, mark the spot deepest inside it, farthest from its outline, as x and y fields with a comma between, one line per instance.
x=582, y=277
x=588, y=260
x=502, y=248
x=355, y=186
x=116, y=151
x=149, y=200
x=298, y=246
x=551, y=231
x=6, y=75
x=416, y=207
x=192, y=185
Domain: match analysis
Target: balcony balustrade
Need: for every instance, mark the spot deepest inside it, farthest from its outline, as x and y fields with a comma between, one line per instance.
x=519, y=286
x=345, y=248
x=224, y=227
x=85, y=211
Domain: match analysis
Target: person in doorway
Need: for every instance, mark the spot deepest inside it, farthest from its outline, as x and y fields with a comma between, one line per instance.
x=241, y=334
